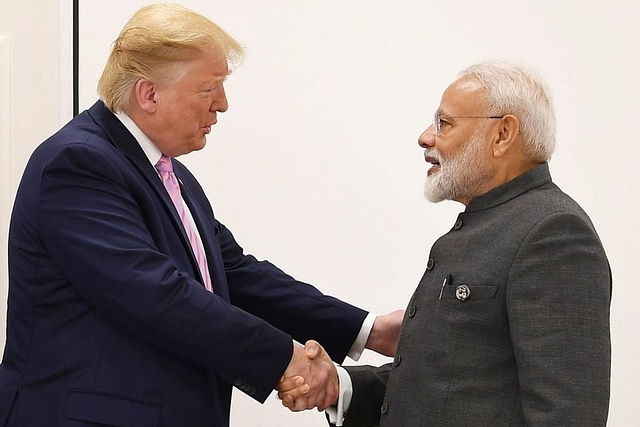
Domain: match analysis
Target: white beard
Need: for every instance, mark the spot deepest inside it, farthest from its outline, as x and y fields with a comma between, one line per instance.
x=462, y=176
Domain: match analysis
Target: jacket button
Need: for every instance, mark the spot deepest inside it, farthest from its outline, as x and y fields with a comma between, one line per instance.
x=384, y=408
x=396, y=360
x=458, y=224
x=463, y=292
x=430, y=264
x=412, y=311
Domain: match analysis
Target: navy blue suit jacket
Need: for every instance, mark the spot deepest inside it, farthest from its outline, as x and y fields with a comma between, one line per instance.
x=108, y=322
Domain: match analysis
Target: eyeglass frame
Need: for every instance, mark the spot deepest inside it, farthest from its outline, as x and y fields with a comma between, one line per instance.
x=437, y=126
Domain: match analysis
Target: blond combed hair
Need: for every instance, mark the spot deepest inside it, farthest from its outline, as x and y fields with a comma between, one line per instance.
x=156, y=38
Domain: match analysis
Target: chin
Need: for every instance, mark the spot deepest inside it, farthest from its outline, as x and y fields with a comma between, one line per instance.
x=432, y=193
x=199, y=145
x=433, y=197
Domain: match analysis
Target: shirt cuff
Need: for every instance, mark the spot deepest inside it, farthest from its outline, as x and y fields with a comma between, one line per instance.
x=361, y=340
x=337, y=413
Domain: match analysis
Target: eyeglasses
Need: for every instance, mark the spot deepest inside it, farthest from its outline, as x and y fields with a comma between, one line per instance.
x=438, y=122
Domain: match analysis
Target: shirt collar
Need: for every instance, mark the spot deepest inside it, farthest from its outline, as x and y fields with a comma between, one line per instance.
x=148, y=147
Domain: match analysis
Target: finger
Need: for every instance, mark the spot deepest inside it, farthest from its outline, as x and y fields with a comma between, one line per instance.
x=330, y=398
x=317, y=400
x=289, y=403
x=291, y=395
x=300, y=404
x=331, y=390
x=290, y=383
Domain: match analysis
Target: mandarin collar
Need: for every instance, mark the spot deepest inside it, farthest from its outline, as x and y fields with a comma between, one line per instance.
x=534, y=177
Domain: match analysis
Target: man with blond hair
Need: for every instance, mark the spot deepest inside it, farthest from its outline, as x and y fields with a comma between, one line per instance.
x=130, y=304
x=509, y=325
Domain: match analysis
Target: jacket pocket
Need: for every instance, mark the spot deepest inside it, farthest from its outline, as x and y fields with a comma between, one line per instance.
x=95, y=407
x=464, y=292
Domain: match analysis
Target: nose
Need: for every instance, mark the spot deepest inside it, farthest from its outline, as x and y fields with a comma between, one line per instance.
x=220, y=103
x=427, y=138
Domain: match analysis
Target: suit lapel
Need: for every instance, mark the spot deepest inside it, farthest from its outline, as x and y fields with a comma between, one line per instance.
x=122, y=139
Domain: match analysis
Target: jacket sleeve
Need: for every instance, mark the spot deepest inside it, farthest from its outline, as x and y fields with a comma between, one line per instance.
x=369, y=387
x=558, y=299
x=262, y=289
x=295, y=307
x=93, y=226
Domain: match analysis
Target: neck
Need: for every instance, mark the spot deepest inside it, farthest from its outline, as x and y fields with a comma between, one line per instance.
x=504, y=173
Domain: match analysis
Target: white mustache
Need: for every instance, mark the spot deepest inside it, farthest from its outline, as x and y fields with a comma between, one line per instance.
x=431, y=153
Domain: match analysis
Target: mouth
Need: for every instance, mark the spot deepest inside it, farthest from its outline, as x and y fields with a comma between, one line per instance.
x=435, y=162
x=207, y=129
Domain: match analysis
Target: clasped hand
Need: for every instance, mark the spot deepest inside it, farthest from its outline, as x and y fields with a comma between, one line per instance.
x=310, y=380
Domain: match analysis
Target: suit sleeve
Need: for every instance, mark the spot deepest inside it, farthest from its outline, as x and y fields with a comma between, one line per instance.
x=262, y=289
x=296, y=307
x=92, y=225
x=369, y=387
x=558, y=300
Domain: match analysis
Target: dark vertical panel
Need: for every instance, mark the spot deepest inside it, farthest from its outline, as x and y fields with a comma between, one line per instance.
x=76, y=55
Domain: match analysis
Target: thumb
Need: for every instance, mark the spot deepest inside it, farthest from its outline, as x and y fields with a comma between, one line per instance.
x=313, y=349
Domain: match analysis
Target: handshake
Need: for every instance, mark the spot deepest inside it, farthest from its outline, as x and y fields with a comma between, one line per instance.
x=311, y=379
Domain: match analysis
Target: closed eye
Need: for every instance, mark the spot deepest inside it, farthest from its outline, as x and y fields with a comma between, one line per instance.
x=209, y=90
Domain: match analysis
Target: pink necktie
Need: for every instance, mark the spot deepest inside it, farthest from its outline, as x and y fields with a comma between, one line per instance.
x=165, y=168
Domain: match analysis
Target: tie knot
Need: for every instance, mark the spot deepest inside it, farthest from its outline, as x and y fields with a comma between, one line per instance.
x=164, y=164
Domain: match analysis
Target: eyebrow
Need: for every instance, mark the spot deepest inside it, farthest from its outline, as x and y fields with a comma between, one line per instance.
x=442, y=112
x=216, y=80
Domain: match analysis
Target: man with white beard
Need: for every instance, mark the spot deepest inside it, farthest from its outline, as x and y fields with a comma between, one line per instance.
x=509, y=326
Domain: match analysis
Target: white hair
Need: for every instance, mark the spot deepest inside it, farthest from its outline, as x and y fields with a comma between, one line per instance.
x=514, y=88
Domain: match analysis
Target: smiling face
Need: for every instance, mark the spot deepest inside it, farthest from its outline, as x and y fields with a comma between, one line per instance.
x=461, y=154
x=178, y=110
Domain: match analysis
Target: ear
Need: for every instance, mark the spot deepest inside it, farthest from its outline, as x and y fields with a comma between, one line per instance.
x=507, y=137
x=145, y=94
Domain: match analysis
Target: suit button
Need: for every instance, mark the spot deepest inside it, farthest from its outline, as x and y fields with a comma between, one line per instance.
x=412, y=311
x=396, y=360
x=384, y=408
x=463, y=292
x=458, y=224
x=430, y=264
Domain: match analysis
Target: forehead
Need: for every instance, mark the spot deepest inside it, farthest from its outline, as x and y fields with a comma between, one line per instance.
x=463, y=97
x=204, y=68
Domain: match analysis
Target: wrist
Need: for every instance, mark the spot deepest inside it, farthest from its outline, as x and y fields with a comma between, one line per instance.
x=375, y=336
